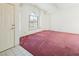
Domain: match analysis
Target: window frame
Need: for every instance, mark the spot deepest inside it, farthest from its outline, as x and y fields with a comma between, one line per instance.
x=32, y=14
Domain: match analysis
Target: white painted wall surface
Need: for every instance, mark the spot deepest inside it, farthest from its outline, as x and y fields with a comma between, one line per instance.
x=17, y=24
x=66, y=20
x=22, y=13
x=44, y=18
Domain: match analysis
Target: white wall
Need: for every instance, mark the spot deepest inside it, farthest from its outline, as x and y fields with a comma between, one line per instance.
x=17, y=24
x=26, y=9
x=22, y=20
x=66, y=20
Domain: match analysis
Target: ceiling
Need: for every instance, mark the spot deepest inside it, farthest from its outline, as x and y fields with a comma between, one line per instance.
x=66, y=5
x=52, y=7
x=46, y=6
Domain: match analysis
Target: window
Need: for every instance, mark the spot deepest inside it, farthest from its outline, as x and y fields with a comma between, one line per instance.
x=33, y=21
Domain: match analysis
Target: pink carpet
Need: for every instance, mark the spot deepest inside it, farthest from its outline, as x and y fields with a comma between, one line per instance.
x=51, y=43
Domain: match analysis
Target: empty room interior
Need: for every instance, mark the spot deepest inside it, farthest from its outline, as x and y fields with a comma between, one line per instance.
x=39, y=29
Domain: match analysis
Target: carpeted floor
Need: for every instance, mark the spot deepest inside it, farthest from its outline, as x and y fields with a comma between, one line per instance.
x=51, y=43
